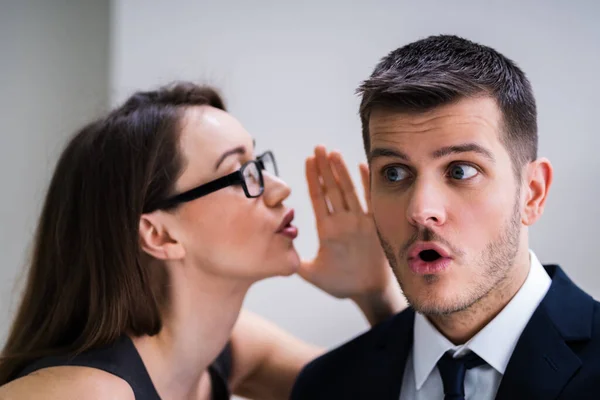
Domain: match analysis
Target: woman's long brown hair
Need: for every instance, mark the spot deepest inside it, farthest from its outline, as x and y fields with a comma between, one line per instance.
x=87, y=282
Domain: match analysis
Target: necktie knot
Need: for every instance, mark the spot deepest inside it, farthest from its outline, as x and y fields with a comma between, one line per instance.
x=453, y=370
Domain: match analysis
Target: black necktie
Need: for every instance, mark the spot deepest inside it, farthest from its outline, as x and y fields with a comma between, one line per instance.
x=453, y=372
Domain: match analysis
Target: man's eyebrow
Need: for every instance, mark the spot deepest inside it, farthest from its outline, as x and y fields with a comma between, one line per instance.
x=444, y=151
x=464, y=148
x=385, y=152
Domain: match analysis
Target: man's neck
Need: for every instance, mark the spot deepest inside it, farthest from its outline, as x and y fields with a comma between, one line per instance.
x=461, y=326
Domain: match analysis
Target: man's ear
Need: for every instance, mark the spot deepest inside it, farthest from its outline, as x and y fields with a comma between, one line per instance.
x=156, y=240
x=538, y=178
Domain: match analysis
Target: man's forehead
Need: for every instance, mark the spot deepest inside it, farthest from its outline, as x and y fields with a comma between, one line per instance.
x=467, y=121
x=470, y=111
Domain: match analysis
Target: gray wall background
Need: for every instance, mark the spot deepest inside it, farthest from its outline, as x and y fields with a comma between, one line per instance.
x=54, y=66
x=289, y=72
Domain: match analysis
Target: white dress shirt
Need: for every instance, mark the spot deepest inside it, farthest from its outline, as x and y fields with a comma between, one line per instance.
x=494, y=344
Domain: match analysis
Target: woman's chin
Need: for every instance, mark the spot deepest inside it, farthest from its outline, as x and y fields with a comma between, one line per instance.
x=286, y=265
x=281, y=263
x=290, y=263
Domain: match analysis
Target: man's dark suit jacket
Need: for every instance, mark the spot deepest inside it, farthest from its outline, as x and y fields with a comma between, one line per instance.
x=556, y=357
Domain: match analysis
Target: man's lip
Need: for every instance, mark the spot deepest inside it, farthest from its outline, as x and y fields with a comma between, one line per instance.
x=287, y=219
x=414, y=250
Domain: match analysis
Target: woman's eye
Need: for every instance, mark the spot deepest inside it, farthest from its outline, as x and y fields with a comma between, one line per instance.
x=394, y=174
x=462, y=171
x=252, y=175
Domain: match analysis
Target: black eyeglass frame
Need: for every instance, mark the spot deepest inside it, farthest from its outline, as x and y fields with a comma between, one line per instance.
x=235, y=178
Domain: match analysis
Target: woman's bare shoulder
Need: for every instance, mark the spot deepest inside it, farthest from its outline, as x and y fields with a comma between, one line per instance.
x=67, y=383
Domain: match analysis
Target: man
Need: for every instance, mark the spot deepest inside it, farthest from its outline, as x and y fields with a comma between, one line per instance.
x=449, y=128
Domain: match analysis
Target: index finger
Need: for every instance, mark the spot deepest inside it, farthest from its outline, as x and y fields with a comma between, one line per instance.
x=317, y=197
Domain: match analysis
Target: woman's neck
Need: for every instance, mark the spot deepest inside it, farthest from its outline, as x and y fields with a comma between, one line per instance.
x=196, y=326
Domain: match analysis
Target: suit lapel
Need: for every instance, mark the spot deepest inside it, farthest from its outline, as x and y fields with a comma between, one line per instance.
x=542, y=362
x=388, y=360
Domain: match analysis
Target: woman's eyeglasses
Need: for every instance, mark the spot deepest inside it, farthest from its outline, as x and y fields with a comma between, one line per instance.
x=250, y=176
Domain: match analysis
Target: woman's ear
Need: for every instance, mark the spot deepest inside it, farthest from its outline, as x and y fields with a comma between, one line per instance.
x=538, y=178
x=156, y=240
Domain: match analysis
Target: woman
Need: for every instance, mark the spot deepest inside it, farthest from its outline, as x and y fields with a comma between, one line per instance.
x=158, y=219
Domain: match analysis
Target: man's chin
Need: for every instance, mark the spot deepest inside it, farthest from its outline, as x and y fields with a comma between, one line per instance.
x=437, y=304
x=435, y=311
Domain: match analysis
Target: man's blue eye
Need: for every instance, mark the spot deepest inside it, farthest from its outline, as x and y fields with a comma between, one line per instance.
x=394, y=174
x=462, y=171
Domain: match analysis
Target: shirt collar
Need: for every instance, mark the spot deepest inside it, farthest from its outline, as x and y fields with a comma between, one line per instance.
x=496, y=341
x=428, y=347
